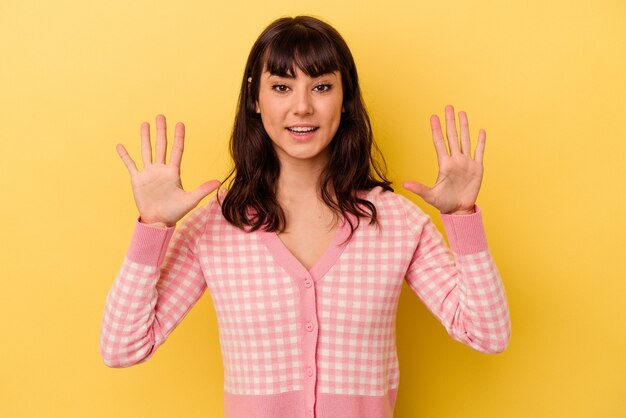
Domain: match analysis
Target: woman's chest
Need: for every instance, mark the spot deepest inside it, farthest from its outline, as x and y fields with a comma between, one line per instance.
x=308, y=240
x=236, y=259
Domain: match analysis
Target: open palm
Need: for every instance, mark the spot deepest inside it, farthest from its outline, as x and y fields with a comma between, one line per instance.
x=157, y=189
x=460, y=176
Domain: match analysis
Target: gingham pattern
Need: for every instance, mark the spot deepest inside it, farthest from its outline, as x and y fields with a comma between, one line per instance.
x=258, y=302
x=464, y=291
x=358, y=299
x=145, y=304
x=257, y=309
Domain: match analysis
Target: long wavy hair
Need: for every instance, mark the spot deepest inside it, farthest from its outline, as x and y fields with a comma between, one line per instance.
x=317, y=49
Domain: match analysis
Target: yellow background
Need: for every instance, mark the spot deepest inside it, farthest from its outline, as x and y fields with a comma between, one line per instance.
x=546, y=80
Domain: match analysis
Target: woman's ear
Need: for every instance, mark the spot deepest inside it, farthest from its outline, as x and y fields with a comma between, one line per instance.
x=257, y=102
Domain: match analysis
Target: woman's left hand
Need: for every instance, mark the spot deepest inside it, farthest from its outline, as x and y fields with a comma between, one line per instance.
x=460, y=174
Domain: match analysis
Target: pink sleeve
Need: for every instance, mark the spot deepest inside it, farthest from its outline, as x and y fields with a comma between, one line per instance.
x=155, y=288
x=460, y=285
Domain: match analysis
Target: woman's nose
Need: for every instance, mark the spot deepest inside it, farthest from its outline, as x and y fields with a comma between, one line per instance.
x=302, y=104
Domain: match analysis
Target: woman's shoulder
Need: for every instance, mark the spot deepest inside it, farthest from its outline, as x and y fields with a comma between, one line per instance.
x=388, y=199
x=395, y=209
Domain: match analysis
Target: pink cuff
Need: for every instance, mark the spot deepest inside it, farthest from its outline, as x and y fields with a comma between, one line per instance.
x=466, y=233
x=149, y=244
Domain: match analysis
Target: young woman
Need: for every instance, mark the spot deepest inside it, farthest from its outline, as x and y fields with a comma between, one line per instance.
x=305, y=253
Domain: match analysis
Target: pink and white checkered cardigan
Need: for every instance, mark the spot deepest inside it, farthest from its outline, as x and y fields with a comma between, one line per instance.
x=302, y=343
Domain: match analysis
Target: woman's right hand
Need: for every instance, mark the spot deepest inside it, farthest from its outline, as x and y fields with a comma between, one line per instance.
x=157, y=189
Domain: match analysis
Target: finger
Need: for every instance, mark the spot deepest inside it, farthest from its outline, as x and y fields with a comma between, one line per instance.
x=203, y=191
x=128, y=162
x=179, y=145
x=466, y=146
x=480, y=147
x=146, y=147
x=413, y=186
x=440, y=144
x=418, y=188
x=161, y=140
x=453, y=139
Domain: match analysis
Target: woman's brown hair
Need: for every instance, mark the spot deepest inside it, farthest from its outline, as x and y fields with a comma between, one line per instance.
x=317, y=49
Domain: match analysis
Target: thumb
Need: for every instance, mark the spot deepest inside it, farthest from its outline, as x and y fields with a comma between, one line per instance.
x=417, y=188
x=203, y=191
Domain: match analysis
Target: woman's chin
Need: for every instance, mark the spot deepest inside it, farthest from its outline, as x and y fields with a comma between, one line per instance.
x=310, y=154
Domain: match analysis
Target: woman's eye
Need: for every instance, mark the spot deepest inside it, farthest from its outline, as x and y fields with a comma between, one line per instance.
x=324, y=87
x=280, y=88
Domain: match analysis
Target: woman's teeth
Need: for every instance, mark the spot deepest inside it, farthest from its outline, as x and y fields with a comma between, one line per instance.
x=301, y=130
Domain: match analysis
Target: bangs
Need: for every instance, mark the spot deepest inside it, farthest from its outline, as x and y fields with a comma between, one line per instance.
x=304, y=47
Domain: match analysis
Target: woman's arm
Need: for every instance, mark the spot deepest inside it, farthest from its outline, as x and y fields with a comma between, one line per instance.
x=157, y=285
x=152, y=293
x=461, y=286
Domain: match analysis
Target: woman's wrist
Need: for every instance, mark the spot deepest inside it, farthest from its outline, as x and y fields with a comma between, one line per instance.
x=463, y=212
x=154, y=224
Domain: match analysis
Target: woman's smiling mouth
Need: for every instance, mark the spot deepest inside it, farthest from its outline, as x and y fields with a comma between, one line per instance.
x=302, y=129
x=302, y=132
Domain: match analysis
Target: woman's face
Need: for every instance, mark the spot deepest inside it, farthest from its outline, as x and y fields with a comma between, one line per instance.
x=301, y=114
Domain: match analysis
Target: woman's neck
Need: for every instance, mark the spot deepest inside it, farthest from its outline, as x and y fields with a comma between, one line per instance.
x=299, y=179
x=298, y=191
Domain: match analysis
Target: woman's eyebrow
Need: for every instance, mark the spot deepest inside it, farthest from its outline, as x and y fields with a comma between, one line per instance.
x=280, y=76
x=289, y=76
